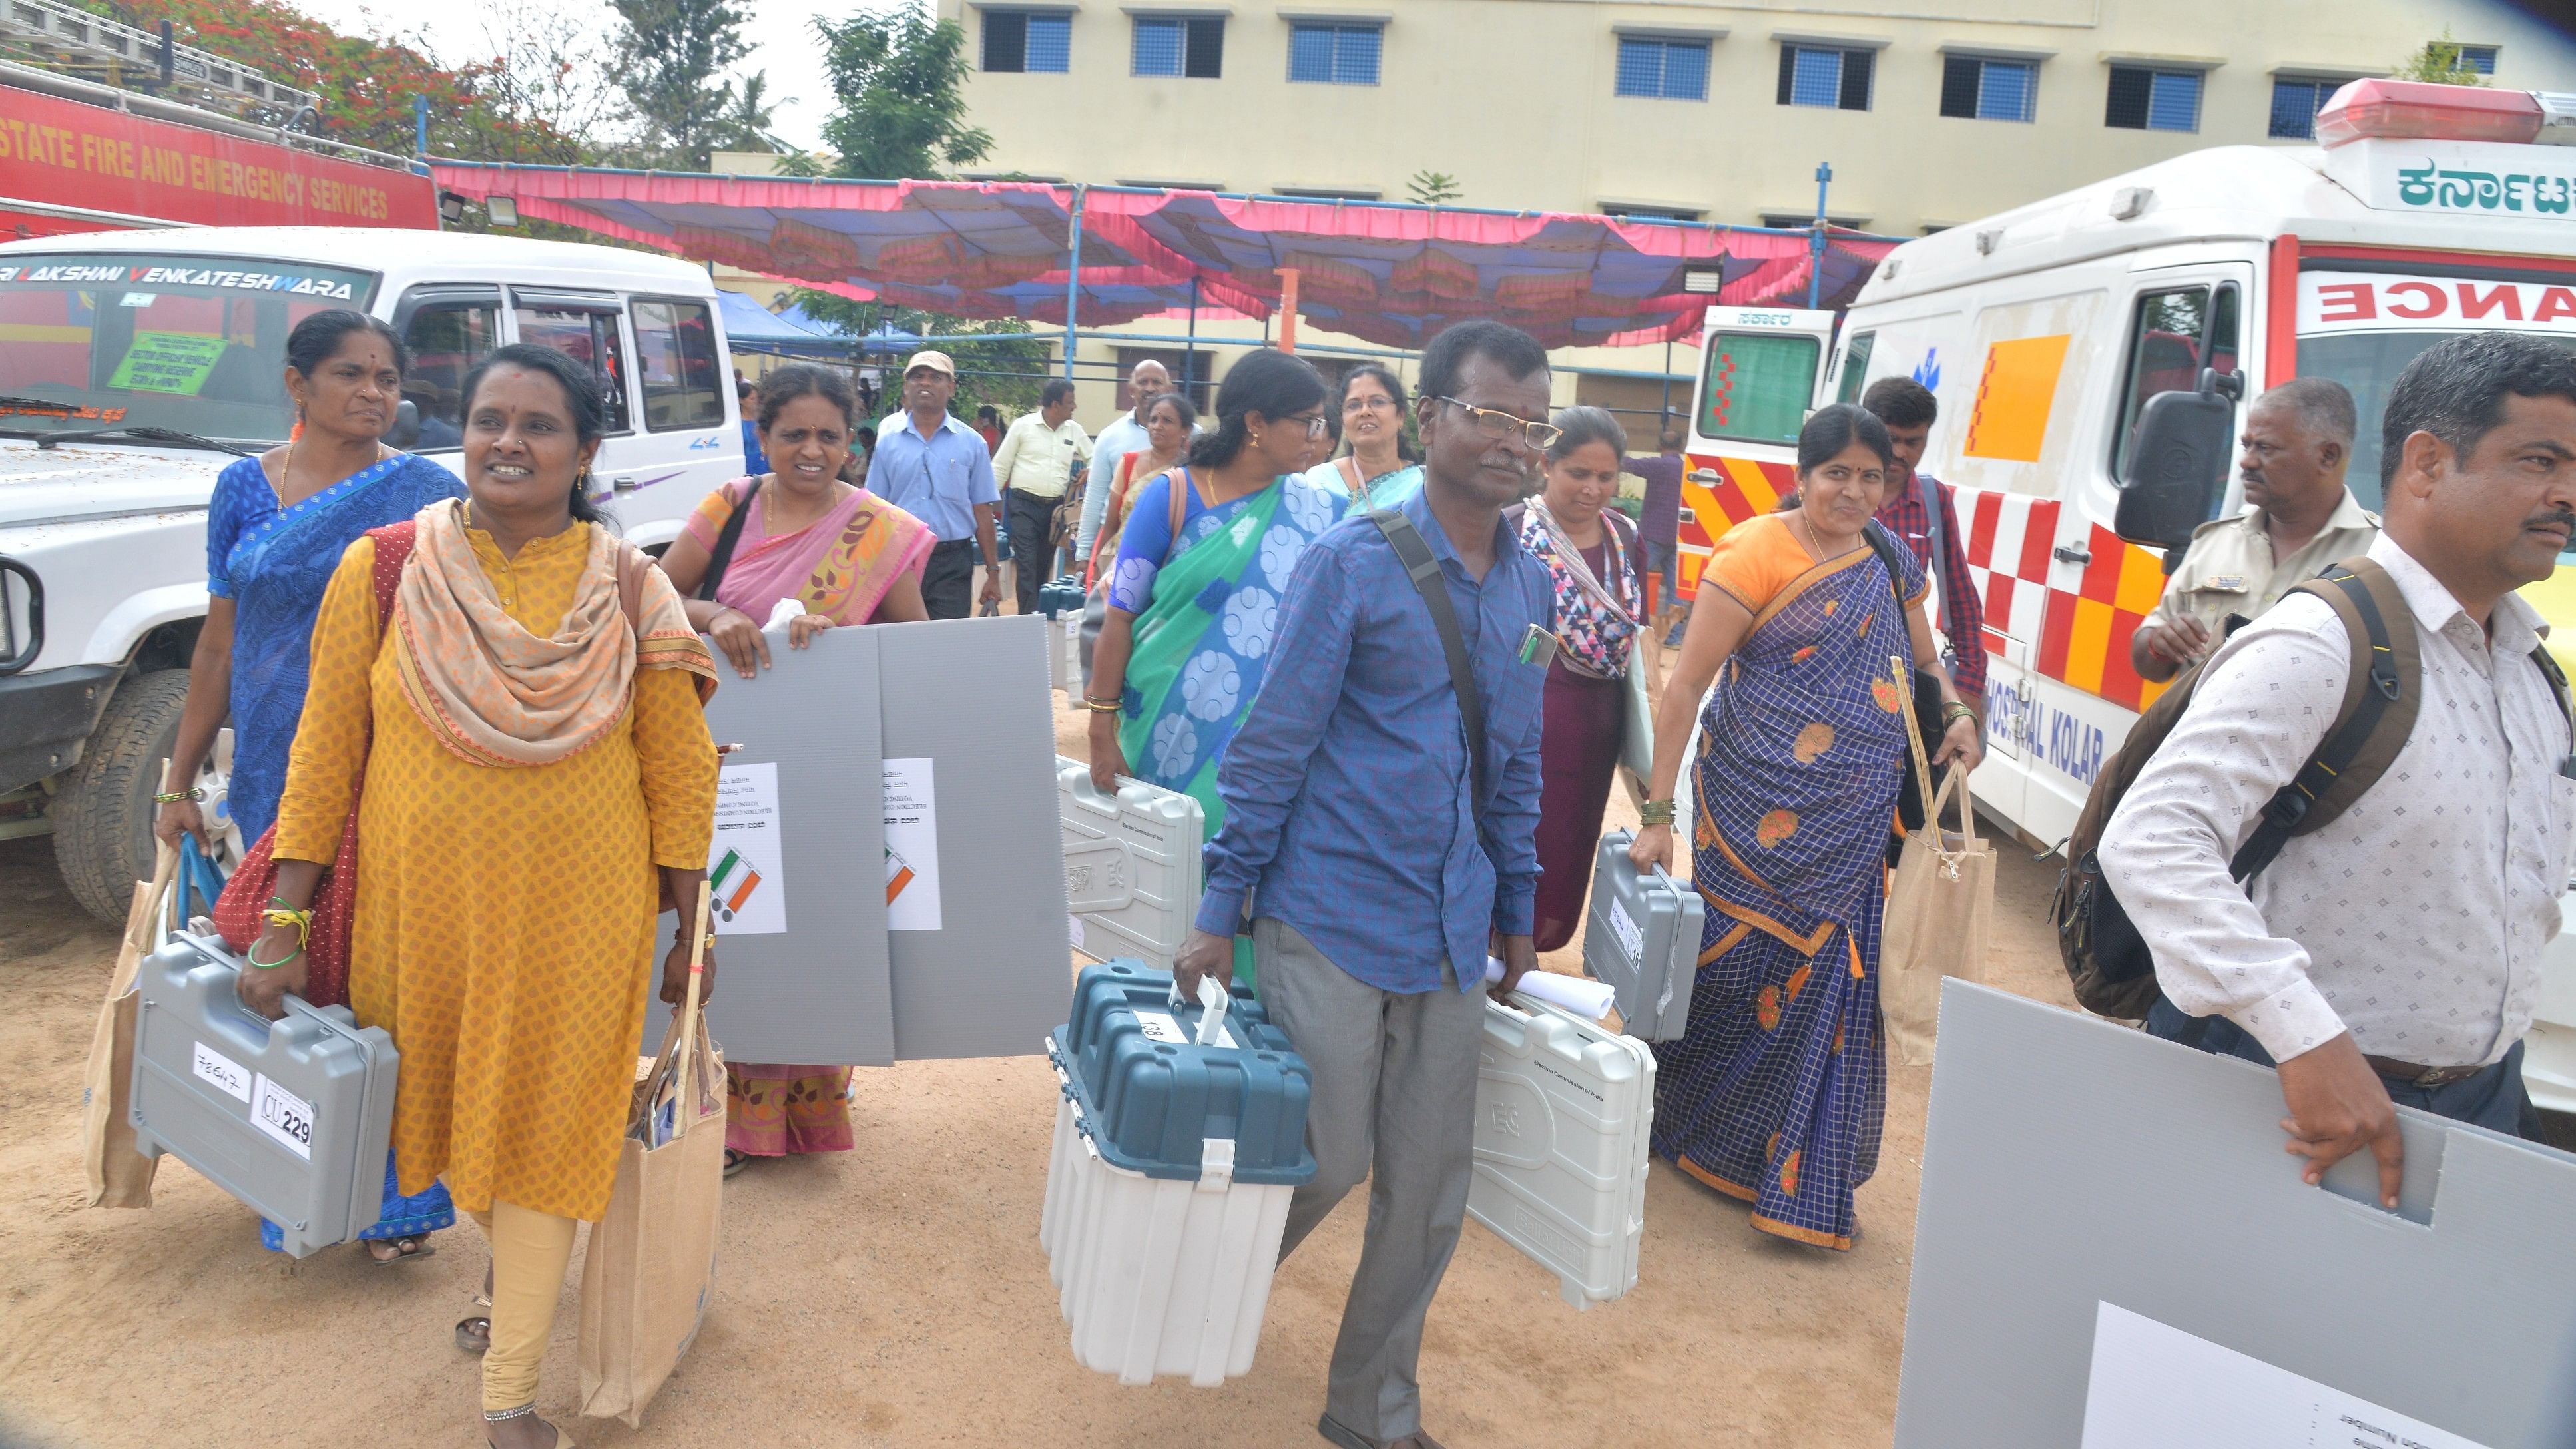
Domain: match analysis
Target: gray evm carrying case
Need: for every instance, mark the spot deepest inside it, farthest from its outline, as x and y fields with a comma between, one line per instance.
x=1641, y=935
x=293, y=1117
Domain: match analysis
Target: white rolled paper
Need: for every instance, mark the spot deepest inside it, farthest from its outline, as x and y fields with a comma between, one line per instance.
x=786, y=609
x=1581, y=995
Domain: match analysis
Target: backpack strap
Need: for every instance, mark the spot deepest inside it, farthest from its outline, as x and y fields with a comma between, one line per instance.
x=2382, y=692
x=1415, y=554
x=393, y=549
x=722, y=558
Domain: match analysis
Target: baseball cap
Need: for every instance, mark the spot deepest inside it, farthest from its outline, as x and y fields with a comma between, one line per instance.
x=930, y=358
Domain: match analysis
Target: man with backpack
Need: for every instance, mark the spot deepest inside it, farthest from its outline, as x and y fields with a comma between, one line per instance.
x=2392, y=953
x=1382, y=821
x=1908, y=409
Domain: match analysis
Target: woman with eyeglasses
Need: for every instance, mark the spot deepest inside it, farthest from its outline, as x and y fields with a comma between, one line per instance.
x=1204, y=558
x=1381, y=469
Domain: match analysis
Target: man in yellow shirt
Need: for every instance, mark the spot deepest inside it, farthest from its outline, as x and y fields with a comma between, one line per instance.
x=1036, y=461
x=2298, y=518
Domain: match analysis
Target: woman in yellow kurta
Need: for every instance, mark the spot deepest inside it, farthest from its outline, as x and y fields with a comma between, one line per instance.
x=529, y=760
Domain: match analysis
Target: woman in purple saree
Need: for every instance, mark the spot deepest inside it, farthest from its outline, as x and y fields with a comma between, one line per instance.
x=1776, y=1093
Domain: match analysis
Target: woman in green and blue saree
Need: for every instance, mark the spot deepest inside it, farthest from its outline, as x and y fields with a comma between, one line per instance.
x=1202, y=564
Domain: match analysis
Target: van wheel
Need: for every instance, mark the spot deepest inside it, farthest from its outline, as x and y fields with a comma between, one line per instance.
x=103, y=817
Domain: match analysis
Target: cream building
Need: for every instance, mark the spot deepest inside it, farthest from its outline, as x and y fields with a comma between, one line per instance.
x=1931, y=112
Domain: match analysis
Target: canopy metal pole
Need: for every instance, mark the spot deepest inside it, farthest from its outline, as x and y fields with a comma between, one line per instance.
x=1073, y=283
x=1668, y=388
x=1190, y=361
x=1816, y=241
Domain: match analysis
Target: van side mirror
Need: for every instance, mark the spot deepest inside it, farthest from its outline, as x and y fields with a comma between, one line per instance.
x=2178, y=462
x=406, y=430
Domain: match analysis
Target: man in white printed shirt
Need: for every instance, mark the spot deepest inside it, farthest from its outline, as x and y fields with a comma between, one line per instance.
x=2393, y=955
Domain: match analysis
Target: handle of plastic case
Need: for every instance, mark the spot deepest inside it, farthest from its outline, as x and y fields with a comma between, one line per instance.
x=1214, y=1000
x=1089, y=796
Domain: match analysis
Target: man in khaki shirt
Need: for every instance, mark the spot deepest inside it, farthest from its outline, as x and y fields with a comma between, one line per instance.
x=2298, y=519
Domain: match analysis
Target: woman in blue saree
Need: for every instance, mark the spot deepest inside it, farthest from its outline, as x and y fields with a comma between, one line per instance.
x=1190, y=612
x=275, y=530
x=1776, y=1093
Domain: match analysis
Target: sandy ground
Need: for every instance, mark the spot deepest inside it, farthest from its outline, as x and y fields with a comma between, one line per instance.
x=896, y=1295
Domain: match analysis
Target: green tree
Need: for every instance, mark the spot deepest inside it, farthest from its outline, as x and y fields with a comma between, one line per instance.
x=2440, y=62
x=899, y=83
x=670, y=55
x=1433, y=188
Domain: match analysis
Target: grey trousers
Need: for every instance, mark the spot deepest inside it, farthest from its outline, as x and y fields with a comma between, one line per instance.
x=1394, y=1103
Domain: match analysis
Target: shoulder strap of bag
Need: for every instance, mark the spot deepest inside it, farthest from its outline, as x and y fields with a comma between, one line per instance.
x=2381, y=694
x=1884, y=545
x=722, y=558
x=1929, y=489
x=2557, y=678
x=1415, y=554
x=393, y=549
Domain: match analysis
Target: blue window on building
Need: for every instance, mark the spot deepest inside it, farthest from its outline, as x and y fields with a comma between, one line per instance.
x=2153, y=100
x=1989, y=90
x=2295, y=104
x=1342, y=55
x=1192, y=45
x=1021, y=40
x=2479, y=58
x=1672, y=70
x=1813, y=75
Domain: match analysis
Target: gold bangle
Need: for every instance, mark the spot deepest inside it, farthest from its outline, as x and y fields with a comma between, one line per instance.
x=1655, y=812
x=1103, y=706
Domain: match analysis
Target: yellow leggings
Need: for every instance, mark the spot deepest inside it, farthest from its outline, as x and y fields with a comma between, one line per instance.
x=530, y=1251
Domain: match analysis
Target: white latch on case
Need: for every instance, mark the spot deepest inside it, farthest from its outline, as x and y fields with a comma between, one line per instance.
x=1216, y=1164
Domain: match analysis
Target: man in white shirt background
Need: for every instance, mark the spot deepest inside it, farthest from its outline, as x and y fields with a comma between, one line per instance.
x=2394, y=954
x=1037, y=460
x=1146, y=381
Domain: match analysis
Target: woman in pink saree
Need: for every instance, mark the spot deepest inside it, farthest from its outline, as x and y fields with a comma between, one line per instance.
x=849, y=558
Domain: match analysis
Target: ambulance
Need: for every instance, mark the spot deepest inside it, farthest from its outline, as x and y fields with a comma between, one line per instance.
x=2424, y=212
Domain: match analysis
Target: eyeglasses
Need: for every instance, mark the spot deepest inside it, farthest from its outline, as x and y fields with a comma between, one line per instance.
x=1314, y=423
x=1495, y=423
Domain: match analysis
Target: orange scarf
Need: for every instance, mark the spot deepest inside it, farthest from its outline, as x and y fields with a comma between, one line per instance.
x=496, y=694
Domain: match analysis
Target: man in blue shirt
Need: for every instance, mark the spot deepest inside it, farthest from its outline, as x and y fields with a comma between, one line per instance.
x=754, y=462
x=1383, y=867
x=937, y=469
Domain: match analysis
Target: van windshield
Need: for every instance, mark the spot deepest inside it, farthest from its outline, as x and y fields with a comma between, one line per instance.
x=99, y=339
x=2367, y=363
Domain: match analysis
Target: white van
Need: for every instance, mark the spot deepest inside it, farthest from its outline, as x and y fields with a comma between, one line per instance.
x=102, y=540
x=2044, y=331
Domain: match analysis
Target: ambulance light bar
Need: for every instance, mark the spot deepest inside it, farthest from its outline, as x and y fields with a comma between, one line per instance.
x=2422, y=111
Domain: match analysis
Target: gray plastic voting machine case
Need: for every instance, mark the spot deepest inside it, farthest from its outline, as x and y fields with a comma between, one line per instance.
x=293, y=1117
x=1562, y=1111
x=1641, y=935
x=1131, y=865
x=2088, y=1188
x=961, y=706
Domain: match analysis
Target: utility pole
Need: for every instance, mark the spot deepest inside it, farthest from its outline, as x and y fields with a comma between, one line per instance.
x=1816, y=239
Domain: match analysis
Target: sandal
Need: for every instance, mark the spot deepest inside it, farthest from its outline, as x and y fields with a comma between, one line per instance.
x=474, y=1335
x=737, y=1161
x=405, y=1250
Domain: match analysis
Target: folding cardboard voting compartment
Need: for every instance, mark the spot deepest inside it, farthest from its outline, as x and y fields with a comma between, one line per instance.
x=1131, y=865
x=1180, y=1134
x=2112, y=1251
x=1562, y=1111
x=293, y=1117
x=1641, y=934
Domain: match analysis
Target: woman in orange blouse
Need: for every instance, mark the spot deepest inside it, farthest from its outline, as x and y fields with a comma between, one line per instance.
x=531, y=759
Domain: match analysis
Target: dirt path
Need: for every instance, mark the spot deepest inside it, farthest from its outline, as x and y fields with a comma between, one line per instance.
x=896, y=1295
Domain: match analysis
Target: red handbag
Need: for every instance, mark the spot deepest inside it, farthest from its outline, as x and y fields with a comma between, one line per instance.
x=240, y=912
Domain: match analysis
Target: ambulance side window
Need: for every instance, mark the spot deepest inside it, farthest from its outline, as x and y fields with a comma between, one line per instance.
x=1855, y=366
x=2173, y=334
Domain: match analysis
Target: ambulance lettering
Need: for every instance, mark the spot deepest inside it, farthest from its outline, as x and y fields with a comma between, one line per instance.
x=2331, y=302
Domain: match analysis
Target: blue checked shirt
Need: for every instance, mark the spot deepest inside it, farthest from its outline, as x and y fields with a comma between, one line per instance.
x=1346, y=790
x=938, y=479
